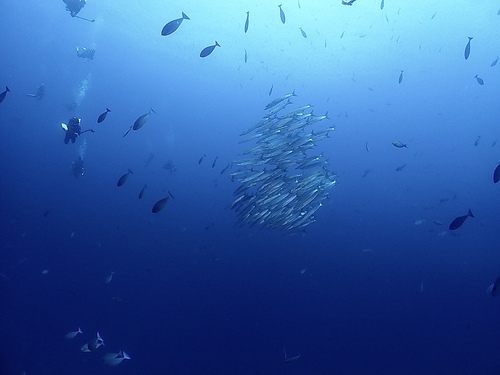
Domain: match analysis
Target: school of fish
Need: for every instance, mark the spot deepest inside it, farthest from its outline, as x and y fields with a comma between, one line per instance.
x=282, y=178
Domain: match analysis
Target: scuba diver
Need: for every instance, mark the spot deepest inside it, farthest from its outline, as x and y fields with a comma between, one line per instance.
x=85, y=53
x=73, y=130
x=74, y=7
x=77, y=167
x=39, y=93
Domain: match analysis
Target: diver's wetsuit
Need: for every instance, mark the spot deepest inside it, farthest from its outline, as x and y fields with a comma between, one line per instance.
x=74, y=130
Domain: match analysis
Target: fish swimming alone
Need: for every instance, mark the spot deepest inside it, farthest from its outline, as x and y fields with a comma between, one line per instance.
x=398, y=144
x=2, y=95
x=496, y=174
x=158, y=206
x=303, y=32
x=172, y=26
x=208, y=50
x=282, y=14
x=139, y=123
x=494, y=62
x=492, y=290
x=467, y=49
x=458, y=221
x=123, y=178
x=246, y=22
x=141, y=194
x=401, y=77
x=103, y=115
x=479, y=80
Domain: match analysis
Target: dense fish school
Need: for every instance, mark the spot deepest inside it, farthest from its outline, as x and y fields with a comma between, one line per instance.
x=282, y=180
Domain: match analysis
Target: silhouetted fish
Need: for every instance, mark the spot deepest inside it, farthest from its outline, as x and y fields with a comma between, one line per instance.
x=479, y=80
x=398, y=144
x=141, y=194
x=382, y=5
x=246, y=56
x=457, y=222
x=139, y=123
x=215, y=161
x=246, y=22
x=271, y=90
x=201, y=159
x=401, y=77
x=496, y=174
x=170, y=27
x=103, y=115
x=123, y=178
x=2, y=95
x=303, y=32
x=467, y=49
x=282, y=14
x=208, y=50
x=493, y=288
x=494, y=62
x=158, y=206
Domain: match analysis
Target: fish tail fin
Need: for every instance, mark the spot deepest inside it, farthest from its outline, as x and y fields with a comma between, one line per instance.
x=217, y=44
x=293, y=93
x=470, y=213
x=152, y=110
x=130, y=171
x=470, y=38
x=184, y=15
x=7, y=88
x=108, y=110
x=279, y=6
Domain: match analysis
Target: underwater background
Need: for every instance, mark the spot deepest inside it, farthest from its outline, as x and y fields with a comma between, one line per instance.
x=378, y=284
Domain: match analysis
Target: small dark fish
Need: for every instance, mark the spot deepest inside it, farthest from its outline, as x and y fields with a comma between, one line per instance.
x=479, y=80
x=467, y=49
x=215, y=161
x=246, y=22
x=493, y=288
x=496, y=174
x=494, y=62
x=494, y=143
x=123, y=178
x=225, y=168
x=400, y=168
x=366, y=147
x=382, y=5
x=342, y=35
x=398, y=144
x=139, y=123
x=348, y=2
x=158, y=206
x=298, y=3
x=458, y=221
x=46, y=213
x=246, y=56
x=170, y=27
x=400, y=77
x=282, y=14
x=2, y=95
x=271, y=90
x=434, y=15
x=201, y=159
x=366, y=173
x=498, y=13
x=141, y=194
x=303, y=32
x=476, y=142
x=103, y=115
x=169, y=193
x=208, y=50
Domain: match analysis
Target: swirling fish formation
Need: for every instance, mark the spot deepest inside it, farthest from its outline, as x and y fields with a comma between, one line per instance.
x=282, y=180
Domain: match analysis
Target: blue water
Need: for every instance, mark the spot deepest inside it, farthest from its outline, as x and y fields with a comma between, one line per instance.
x=375, y=286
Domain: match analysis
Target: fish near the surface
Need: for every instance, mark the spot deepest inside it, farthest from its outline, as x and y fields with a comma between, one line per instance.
x=494, y=62
x=496, y=174
x=158, y=206
x=400, y=168
x=2, y=95
x=201, y=159
x=458, y=221
x=348, y=2
x=271, y=90
x=141, y=193
x=282, y=14
x=246, y=21
x=476, y=142
x=139, y=123
x=303, y=32
x=103, y=115
x=400, y=77
x=479, y=80
x=246, y=56
x=171, y=26
x=492, y=290
x=382, y=5
x=398, y=144
x=208, y=50
x=467, y=49
x=215, y=161
x=123, y=178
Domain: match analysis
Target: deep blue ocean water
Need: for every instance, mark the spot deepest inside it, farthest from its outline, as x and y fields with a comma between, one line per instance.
x=377, y=285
